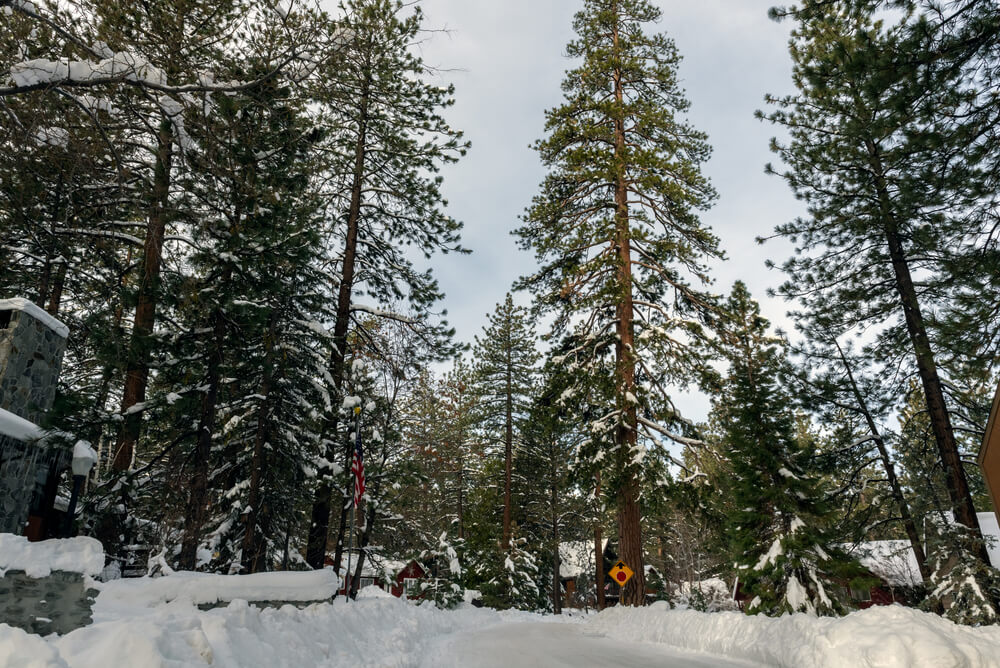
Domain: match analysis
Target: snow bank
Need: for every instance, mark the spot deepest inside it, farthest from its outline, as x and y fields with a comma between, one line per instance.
x=19, y=649
x=371, y=591
x=203, y=588
x=75, y=555
x=882, y=637
x=375, y=632
x=18, y=428
x=18, y=304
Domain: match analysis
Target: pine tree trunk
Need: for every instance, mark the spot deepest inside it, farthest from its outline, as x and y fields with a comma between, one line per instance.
x=320, y=525
x=461, y=490
x=554, y=502
x=944, y=435
x=42, y=292
x=254, y=557
x=137, y=369
x=508, y=450
x=55, y=295
x=598, y=548
x=890, y=471
x=196, y=508
x=45, y=279
x=629, y=529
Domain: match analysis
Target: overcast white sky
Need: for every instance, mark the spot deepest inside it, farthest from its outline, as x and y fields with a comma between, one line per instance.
x=507, y=59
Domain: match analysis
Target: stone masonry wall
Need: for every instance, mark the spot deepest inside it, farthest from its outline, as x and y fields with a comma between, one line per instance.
x=30, y=359
x=58, y=603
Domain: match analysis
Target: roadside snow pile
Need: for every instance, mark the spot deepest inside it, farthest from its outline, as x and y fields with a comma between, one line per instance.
x=882, y=637
x=19, y=649
x=387, y=633
x=203, y=588
x=38, y=560
x=371, y=591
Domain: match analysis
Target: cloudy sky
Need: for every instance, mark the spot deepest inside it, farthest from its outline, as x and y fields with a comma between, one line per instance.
x=507, y=59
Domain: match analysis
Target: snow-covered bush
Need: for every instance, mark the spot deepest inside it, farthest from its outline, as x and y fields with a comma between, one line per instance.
x=711, y=595
x=513, y=578
x=445, y=589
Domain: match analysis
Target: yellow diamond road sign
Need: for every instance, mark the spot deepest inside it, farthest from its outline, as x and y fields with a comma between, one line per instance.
x=621, y=573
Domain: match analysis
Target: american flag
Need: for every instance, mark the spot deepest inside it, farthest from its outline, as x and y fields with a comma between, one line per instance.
x=358, y=467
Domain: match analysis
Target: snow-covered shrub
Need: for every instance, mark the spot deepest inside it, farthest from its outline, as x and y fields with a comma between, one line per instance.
x=513, y=578
x=710, y=595
x=445, y=588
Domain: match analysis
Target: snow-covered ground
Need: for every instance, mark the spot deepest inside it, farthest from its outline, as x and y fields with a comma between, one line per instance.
x=382, y=631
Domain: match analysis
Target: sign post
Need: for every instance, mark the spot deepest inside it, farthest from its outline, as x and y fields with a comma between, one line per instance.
x=621, y=574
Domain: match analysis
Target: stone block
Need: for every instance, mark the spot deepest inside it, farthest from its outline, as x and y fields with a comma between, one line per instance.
x=58, y=603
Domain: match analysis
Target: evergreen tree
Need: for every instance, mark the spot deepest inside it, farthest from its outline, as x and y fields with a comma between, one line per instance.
x=777, y=533
x=384, y=197
x=505, y=360
x=886, y=179
x=840, y=387
x=513, y=582
x=615, y=231
x=238, y=385
x=551, y=510
x=444, y=588
x=959, y=585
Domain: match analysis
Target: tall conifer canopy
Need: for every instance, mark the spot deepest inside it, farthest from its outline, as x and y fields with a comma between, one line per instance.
x=621, y=249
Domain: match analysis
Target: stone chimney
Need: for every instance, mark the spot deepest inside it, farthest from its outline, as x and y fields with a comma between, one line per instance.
x=32, y=343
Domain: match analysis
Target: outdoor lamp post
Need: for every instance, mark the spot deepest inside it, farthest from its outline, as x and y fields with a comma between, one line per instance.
x=84, y=458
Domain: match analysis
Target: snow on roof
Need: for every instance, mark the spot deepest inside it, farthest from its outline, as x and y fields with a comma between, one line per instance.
x=204, y=588
x=375, y=565
x=18, y=304
x=38, y=560
x=890, y=560
x=577, y=557
x=18, y=428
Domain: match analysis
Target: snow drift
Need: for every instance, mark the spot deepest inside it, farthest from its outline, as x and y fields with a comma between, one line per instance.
x=204, y=588
x=75, y=555
x=881, y=637
x=382, y=632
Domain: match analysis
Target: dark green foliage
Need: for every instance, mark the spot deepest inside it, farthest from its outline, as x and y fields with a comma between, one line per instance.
x=777, y=529
x=888, y=149
x=571, y=224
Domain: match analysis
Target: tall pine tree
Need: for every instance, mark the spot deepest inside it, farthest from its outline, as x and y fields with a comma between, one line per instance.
x=886, y=183
x=620, y=246
x=388, y=143
x=505, y=360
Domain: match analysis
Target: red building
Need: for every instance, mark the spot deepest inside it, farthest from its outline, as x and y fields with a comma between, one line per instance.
x=405, y=576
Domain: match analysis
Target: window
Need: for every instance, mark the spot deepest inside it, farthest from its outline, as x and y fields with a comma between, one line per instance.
x=366, y=582
x=411, y=586
x=861, y=595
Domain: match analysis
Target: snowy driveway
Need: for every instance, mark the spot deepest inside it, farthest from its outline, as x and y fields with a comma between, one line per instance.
x=553, y=645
